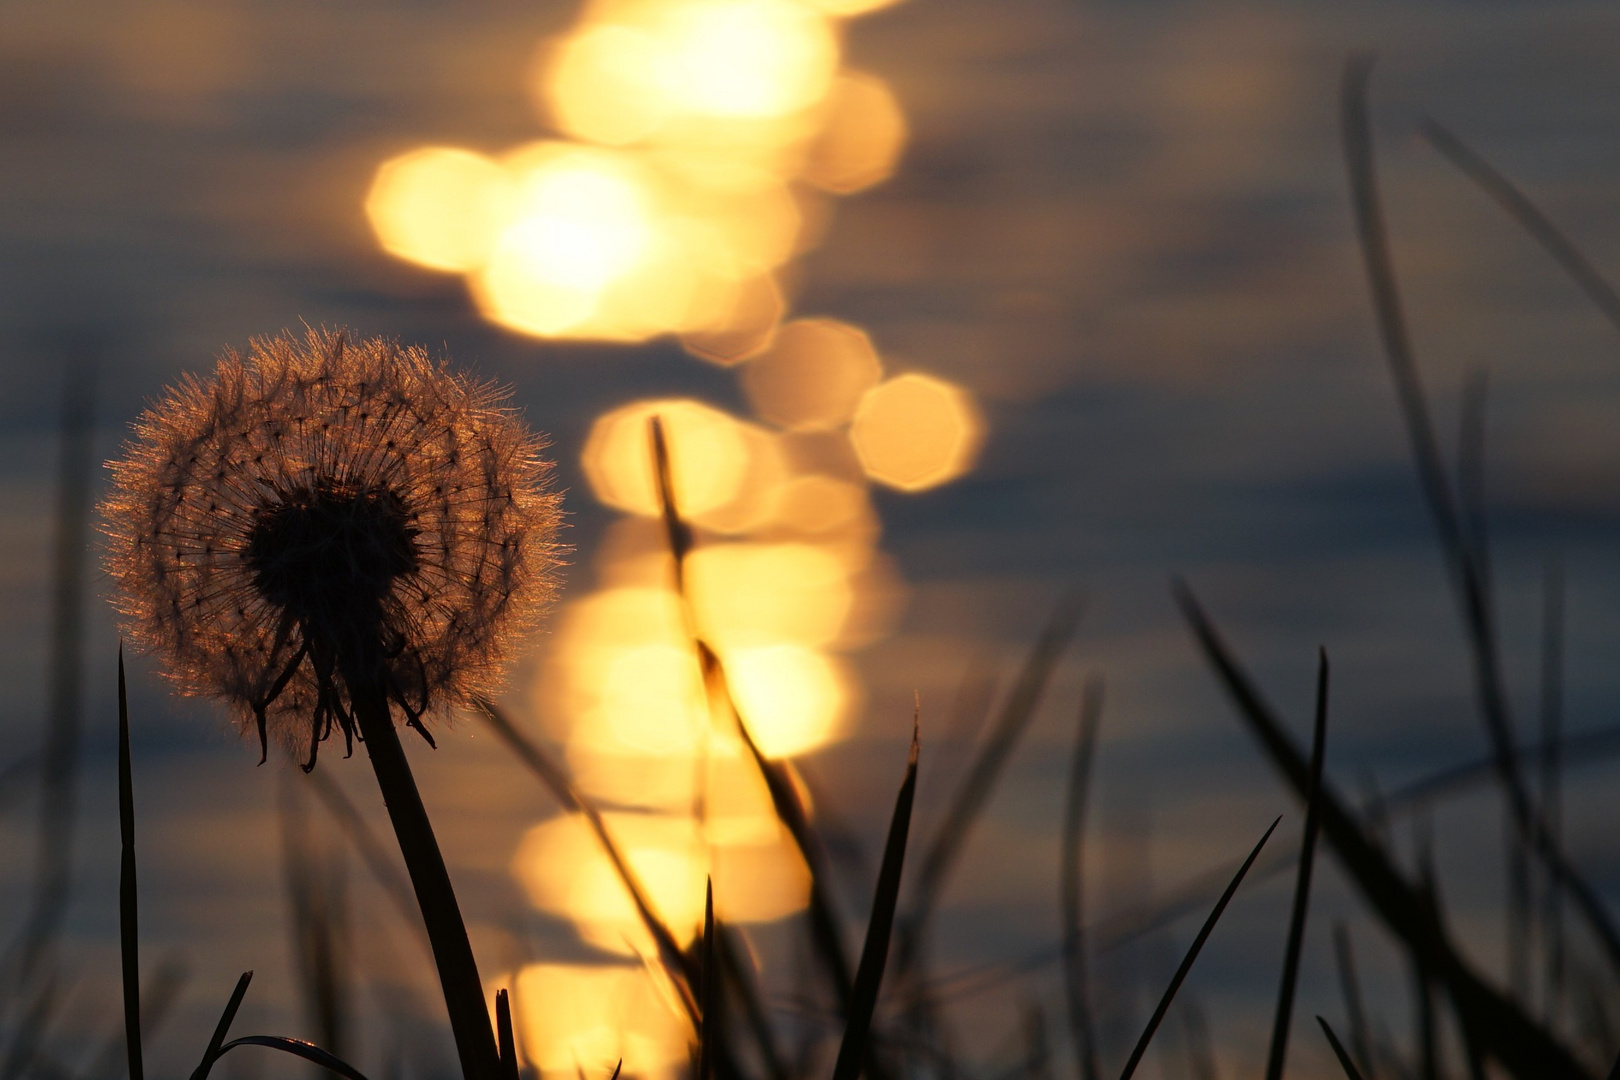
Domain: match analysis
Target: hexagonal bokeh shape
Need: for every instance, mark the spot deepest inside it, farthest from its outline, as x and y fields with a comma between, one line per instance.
x=813, y=376
x=916, y=431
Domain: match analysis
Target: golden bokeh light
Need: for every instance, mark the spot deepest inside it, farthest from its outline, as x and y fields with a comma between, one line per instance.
x=745, y=58
x=916, y=431
x=587, y=1019
x=861, y=138
x=846, y=9
x=818, y=503
x=754, y=501
x=601, y=84
x=813, y=377
x=749, y=594
x=708, y=456
x=793, y=699
x=743, y=326
x=760, y=882
x=440, y=207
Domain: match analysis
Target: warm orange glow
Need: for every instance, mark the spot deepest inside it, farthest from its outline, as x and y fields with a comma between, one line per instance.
x=583, y=1019
x=744, y=326
x=916, y=431
x=754, y=501
x=708, y=457
x=602, y=84
x=746, y=595
x=760, y=882
x=845, y=9
x=747, y=58
x=793, y=699
x=819, y=503
x=440, y=207
x=862, y=137
x=814, y=375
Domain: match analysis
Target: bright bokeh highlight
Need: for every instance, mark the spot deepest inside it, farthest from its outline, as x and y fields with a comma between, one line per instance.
x=747, y=594
x=916, y=431
x=708, y=457
x=814, y=375
x=861, y=137
x=793, y=699
x=584, y=1019
x=440, y=207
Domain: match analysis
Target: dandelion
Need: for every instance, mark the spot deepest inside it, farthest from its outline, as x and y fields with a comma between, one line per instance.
x=323, y=532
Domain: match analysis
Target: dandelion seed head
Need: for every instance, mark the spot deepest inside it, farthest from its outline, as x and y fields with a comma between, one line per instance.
x=324, y=506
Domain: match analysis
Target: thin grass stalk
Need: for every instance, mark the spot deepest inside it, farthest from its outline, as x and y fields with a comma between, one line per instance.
x=736, y=970
x=223, y=1028
x=681, y=971
x=1510, y=198
x=1350, y=987
x=1472, y=595
x=1192, y=954
x=1551, y=761
x=709, y=1026
x=441, y=913
x=875, y=951
x=939, y=857
x=1302, y=882
x=505, y=1040
x=1072, y=898
x=1345, y=1063
x=1505, y=1032
x=128, y=916
x=59, y=754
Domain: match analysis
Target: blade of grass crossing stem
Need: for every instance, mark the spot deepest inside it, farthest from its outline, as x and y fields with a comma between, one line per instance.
x=1192, y=954
x=1472, y=596
x=681, y=971
x=128, y=920
x=971, y=795
x=223, y=1028
x=1345, y=1063
x=1073, y=892
x=709, y=1028
x=1510, y=198
x=1523, y=1047
x=875, y=952
x=505, y=1041
x=1302, y=882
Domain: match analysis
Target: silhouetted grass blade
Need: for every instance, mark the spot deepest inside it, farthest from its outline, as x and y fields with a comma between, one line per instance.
x=556, y=781
x=1345, y=1063
x=505, y=1042
x=1302, y=882
x=1350, y=986
x=223, y=1028
x=680, y=533
x=1510, y=198
x=1016, y=713
x=875, y=952
x=1073, y=894
x=128, y=920
x=298, y=1048
x=1503, y=1030
x=709, y=1026
x=1192, y=954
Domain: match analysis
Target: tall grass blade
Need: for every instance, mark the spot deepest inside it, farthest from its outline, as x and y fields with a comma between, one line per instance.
x=1072, y=899
x=1466, y=573
x=681, y=971
x=128, y=918
x=1192, y=954
x=709, y=1025
x=1510, y=198
x=505, y=1041
x=939, y=857
x=875, y=952
x=1551, y=762
x=1302, y=881
x=223, y=1028
x=1345, y=1063
x=59, y=755
x=1350, y=986
x=1524, y=1048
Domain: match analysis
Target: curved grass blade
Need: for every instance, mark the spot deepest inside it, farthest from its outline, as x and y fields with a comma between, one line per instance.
x=223, y=1028
x=1192, y=954
x=875, y=953
x=1510, y=198
x=1073, y=895
x=1345, y=1063
x=1523, y=1047
x=1466, y=573
x=128, y=916
x=1302, y=882
x=298, y=1048
x=504, y=1038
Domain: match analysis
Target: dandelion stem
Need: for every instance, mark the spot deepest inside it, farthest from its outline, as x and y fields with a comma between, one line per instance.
x=458, y=971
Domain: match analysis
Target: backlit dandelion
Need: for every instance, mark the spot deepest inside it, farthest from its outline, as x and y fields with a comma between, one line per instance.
x=326, y=531
x=326, y=510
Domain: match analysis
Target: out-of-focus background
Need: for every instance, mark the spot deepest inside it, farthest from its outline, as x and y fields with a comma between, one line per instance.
x=949, y=308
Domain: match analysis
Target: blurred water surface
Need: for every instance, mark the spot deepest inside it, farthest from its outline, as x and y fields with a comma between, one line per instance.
x=1123, y=228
